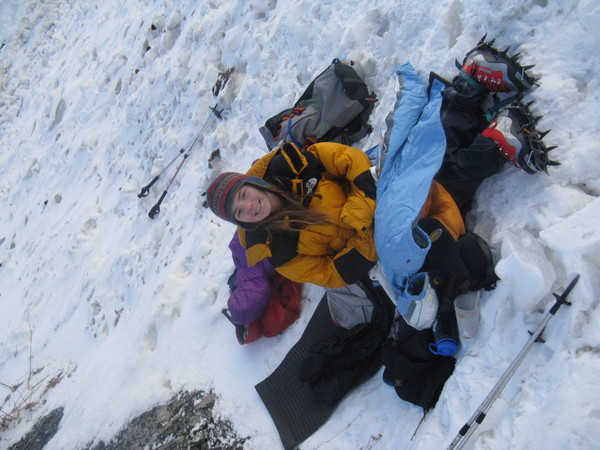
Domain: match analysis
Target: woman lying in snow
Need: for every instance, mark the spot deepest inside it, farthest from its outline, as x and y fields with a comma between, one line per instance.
x=308, y=215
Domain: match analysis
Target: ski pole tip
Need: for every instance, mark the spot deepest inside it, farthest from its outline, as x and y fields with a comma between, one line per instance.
x=575, y=279
x=153, y=212
x=562, y=298
x=571, y=286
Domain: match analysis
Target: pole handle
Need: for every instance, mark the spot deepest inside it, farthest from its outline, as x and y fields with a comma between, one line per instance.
x=156, y=208
x=146, y=189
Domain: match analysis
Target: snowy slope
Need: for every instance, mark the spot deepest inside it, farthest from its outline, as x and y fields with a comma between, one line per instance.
x=122, y=311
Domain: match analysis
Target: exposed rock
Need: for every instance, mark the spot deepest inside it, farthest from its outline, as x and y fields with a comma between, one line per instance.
x=41, y=432
x=186, y=422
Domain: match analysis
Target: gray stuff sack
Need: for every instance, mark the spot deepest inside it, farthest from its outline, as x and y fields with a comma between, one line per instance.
x=349, y=306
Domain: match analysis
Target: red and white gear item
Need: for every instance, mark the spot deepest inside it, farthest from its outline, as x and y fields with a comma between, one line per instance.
x=495, y=70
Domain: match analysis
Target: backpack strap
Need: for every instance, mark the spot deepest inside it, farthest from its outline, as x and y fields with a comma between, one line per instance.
x=295, y=158
x=297, y=171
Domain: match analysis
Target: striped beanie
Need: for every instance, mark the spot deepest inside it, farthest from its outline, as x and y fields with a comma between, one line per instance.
x=221, y=192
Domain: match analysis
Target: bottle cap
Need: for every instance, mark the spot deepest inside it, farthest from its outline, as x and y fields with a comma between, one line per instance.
x=444, y=347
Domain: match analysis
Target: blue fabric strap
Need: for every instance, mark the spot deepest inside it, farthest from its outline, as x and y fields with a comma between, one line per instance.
x=291, y=135
x=469, y=79
x=491, y=112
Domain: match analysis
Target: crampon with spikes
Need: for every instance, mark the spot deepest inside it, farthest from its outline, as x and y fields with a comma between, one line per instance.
x=494, y=70
x=513, y=130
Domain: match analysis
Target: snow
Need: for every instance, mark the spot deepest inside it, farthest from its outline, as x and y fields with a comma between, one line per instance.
x=125, y=311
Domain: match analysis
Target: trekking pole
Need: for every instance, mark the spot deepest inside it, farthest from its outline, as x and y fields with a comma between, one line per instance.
x=146, y=189
x=156, y=208
x=479, y=415
x=186, y=153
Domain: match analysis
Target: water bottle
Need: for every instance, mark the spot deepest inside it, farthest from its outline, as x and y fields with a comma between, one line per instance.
x=467, y=313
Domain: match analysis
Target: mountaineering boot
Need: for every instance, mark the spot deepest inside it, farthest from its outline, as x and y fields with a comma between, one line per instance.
x=513, y=131
x=495, y=71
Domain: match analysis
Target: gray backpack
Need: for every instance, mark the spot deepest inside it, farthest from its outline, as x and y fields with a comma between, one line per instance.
x=334, y=108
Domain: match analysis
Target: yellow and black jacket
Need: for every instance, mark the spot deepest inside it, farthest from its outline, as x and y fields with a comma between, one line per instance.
x=334, y=254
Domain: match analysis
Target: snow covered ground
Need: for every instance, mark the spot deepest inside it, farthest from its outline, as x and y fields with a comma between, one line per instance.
x=120, y=312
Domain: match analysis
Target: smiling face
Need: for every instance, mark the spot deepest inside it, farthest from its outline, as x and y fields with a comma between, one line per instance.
x=252, y=205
